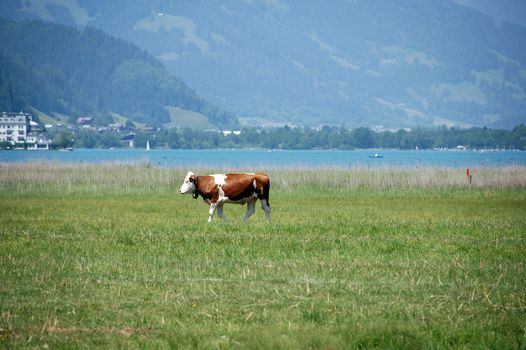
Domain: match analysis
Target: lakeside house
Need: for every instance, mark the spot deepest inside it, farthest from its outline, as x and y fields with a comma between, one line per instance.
x=36, y=141
x=21, y=131
x=128, y=140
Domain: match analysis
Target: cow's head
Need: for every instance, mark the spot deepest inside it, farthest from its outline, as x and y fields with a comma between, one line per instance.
x=188, y=184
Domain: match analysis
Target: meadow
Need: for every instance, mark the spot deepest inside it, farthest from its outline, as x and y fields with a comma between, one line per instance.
x=111, y=256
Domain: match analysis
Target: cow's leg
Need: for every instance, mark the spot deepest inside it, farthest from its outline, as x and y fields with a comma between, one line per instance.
x=220, y=212
x=251, y=208
x=211, y=211
x=266, y=208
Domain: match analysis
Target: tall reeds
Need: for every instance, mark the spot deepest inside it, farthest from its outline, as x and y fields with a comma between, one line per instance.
x=400, y=177
x=74, y=177
x=143, y=178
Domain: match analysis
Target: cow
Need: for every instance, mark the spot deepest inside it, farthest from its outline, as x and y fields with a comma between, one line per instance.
x=219, y=189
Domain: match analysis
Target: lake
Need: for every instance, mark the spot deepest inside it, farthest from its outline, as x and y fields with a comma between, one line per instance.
x=262, y=159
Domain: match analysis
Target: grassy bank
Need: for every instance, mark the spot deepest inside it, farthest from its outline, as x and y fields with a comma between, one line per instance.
x=107, y=263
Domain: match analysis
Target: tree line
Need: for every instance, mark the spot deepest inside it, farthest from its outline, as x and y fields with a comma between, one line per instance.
x=304, y=138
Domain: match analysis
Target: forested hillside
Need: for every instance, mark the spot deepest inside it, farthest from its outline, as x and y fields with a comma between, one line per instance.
x=401, y=63
x=59, y=69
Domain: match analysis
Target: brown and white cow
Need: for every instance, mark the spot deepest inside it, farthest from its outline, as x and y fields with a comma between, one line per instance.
x=219, y=189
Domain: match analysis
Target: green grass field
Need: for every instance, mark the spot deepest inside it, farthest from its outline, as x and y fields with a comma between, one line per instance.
x=124, y=261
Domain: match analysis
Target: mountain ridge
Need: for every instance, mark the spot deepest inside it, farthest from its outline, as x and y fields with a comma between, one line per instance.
x=403, y=64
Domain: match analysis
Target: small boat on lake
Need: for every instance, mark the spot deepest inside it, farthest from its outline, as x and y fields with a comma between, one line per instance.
x=376, y=155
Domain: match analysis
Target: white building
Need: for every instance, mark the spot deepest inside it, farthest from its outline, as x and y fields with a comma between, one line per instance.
x=21, y=131
x=14, y=127
x=231, y=132
x=36, y=141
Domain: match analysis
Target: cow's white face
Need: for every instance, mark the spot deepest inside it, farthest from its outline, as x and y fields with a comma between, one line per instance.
x=188, y=184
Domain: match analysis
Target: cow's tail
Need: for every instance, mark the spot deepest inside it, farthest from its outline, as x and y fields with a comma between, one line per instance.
x=265, y=189
x=266, y=192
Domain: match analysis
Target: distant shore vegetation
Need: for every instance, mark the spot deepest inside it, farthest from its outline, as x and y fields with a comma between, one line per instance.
x=286, y=137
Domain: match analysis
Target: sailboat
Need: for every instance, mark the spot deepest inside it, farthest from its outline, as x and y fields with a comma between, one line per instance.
x=148, y=145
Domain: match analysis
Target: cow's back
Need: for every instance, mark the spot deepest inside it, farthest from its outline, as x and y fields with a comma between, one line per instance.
x=241, y=186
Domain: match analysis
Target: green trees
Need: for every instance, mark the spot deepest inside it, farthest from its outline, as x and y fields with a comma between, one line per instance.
x=110, y=139
x=87, y=138
x=64, y=138
x=518, y=137
x=363, y=138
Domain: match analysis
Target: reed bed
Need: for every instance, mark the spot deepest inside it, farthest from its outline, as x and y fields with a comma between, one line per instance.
x=400, y=177
x=143, y=178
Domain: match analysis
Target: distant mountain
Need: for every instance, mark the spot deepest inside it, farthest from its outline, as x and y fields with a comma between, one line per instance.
x=354, y=62
x=58, y=69
x=501, y=11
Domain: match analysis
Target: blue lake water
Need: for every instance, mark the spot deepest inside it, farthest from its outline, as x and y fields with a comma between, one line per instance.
x=262, y=159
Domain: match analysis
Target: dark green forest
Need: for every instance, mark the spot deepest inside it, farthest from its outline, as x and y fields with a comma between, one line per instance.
x=59, y=69
x=305, y=138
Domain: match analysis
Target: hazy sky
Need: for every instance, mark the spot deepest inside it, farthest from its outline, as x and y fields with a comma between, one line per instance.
x=500, y=10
